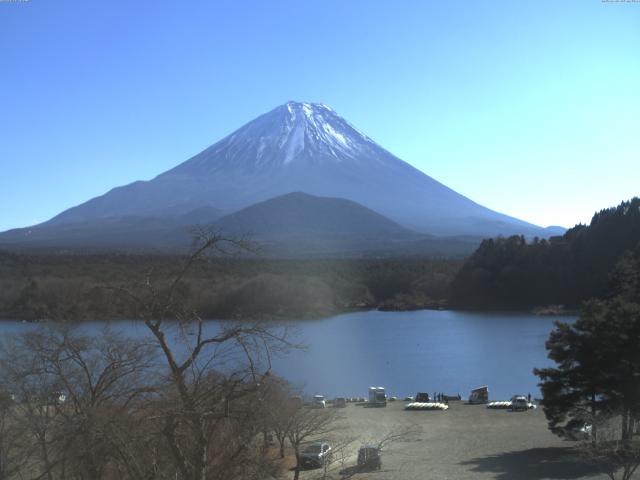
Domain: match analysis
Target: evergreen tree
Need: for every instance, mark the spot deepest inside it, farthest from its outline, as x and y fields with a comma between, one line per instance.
x=598, y=367
x=598, y=359
x=513, y=273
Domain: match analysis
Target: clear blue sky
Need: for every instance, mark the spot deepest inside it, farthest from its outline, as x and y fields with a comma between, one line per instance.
x=530, y=108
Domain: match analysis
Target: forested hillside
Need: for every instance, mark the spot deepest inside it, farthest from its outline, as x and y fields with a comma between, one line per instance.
x=85, y=286
x=514, y=273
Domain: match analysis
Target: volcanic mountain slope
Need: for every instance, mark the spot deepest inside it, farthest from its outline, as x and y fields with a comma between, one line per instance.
x=300, y=147
x=301, y=215
x=126, y=233
x=293, y=225
x=299, y=223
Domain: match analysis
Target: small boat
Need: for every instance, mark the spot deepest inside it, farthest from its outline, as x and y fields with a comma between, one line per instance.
x=426, y=406
x=499, y=405
x=506, y=405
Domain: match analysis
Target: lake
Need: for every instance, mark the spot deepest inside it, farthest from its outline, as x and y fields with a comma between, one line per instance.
x=426, y=350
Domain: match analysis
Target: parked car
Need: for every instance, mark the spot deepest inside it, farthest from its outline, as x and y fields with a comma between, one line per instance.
x=369, y=458
x=340, y=402
x=57, y=398
x=315, y=455
x=318, y=401
x=519, y=402
x=577, y=429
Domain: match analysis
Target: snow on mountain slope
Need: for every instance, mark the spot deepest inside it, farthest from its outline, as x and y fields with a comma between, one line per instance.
x=292, y=133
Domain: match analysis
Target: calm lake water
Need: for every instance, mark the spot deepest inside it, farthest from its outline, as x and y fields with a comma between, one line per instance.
x=406, y=352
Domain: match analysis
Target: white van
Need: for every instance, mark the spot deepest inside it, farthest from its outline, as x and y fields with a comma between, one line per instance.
x=519, y=402
x=377, y=397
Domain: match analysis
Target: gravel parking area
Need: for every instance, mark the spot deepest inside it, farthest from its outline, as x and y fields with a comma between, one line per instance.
x=464, y=442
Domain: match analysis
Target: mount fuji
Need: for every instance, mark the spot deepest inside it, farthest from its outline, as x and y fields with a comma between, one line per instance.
x=297, y=147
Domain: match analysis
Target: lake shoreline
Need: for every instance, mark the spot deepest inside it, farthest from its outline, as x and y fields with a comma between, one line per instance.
x=425, y=350
x=436, y=306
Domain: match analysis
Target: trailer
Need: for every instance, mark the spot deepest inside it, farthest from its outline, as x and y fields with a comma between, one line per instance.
x=479, y=395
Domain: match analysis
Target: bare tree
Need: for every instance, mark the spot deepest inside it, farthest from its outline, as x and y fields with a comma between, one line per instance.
x=22, y=375
x=186, y=400
x=215, y=375
x=281, y=403
x=275, y=404
x=342, y=442
x=397, y=435
x=384, y=442
x=13, y=454
x=306, y=424
x=72, y=391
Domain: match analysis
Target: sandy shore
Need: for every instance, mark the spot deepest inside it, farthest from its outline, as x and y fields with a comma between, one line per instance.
x=465, y=442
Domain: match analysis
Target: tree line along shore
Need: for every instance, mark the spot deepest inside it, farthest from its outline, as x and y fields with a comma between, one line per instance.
x=35, y=287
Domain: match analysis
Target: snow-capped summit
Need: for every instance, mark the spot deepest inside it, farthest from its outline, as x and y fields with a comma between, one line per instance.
x=294, y=132
x=301, y=147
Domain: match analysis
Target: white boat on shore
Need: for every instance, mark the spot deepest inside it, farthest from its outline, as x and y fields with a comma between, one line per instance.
x=426, y=406
x=506, y=405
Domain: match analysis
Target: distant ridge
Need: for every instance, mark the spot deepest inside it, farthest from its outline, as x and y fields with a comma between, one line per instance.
x=305, y=224
x=298, y=213
x=292, y=225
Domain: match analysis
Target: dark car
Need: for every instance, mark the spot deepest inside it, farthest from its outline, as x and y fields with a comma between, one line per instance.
x=315, y=455
x=369, y=458
x=423, y=397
